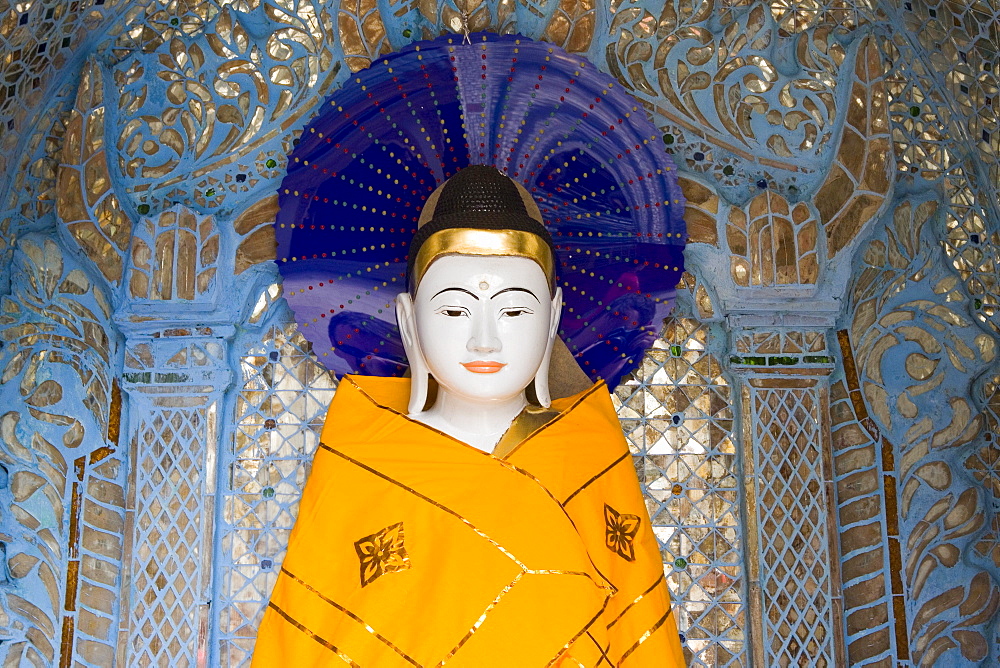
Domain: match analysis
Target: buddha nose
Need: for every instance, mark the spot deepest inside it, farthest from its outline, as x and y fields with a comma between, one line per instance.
x=484, y=338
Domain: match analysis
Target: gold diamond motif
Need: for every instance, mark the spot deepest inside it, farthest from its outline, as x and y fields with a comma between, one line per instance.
x=382, y=552
x=621, y=530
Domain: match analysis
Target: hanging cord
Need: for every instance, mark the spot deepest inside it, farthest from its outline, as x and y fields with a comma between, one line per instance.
x=465, y=27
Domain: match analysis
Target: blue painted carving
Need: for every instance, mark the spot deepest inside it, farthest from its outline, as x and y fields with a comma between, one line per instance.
x=210, y=104
x=56, y=384
x=776, y=58
x=919, y=353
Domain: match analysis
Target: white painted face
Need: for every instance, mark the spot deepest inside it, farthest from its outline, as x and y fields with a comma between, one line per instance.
x=484, y=324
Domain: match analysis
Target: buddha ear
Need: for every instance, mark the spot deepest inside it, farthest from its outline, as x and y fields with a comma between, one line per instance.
x=542, y=393
x=419, y=373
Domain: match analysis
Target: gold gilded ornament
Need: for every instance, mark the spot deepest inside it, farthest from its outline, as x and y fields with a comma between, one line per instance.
x=469, y=241
x=382, y=552
x=620, y=532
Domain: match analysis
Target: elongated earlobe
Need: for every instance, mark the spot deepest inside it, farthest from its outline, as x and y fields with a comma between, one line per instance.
x=541, y=381
x=419, y=373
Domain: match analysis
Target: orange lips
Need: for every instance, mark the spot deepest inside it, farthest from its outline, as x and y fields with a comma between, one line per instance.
x=480, y=366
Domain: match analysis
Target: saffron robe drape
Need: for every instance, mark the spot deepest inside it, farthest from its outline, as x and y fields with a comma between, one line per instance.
x=414, y=549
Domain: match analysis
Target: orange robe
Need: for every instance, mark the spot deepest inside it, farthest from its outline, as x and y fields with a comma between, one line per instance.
x=414, y=549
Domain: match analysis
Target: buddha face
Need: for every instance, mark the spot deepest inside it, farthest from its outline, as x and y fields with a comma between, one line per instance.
x=483, y=325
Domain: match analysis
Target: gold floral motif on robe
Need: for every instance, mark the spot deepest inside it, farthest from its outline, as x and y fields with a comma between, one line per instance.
x=382, y=552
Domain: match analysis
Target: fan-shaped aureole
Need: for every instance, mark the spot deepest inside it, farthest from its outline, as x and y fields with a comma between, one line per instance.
x=565, y=130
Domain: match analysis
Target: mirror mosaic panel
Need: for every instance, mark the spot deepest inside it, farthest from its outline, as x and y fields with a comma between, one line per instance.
x=676, y=411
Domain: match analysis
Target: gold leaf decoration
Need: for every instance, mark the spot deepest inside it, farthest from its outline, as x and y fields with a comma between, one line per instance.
x=362, y=33
x=939, y=511
x=45, y=394
x=700, y=210
x=572, y=25
x=56, y=326
x=859, y=181
x=699, y=295
x=37, y=484
x=255, y=224
x=174, y=257
x=226, y=95
x=708, y=70
x=85, y=202
x=772, y=244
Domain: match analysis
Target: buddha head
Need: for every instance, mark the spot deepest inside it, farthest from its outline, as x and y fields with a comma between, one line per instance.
x=482, y=310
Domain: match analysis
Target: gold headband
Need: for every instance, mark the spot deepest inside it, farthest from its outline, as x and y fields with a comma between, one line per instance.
x=469, y=241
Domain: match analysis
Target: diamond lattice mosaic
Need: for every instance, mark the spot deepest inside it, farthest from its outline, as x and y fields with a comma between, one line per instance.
x=677, y=415
x=791, y=509
x=280, y=409
x=169, y=540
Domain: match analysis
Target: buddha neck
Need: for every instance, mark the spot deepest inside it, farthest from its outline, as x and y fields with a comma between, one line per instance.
x=481, y=424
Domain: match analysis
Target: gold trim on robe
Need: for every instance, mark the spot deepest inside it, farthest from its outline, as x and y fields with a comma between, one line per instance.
x=414, y=549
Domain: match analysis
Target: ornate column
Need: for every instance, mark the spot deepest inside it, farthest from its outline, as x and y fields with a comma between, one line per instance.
x=175, y=374
x=783, y=363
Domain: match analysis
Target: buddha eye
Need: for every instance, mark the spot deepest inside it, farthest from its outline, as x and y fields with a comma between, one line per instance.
x=515, y=312
x=452, y=312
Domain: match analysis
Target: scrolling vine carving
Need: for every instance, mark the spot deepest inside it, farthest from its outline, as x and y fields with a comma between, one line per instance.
x=917, y=355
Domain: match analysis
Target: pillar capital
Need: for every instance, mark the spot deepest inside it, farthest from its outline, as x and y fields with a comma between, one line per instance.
x=170, y=361
x=779, y=350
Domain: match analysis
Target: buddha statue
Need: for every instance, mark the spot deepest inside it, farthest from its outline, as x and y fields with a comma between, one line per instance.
x=463, y=516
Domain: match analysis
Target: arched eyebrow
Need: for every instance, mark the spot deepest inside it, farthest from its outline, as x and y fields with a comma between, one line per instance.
x=500, y=292
x=459, y=289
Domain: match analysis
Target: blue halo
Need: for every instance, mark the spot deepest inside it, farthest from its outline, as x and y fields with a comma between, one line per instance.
x=554, y=122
